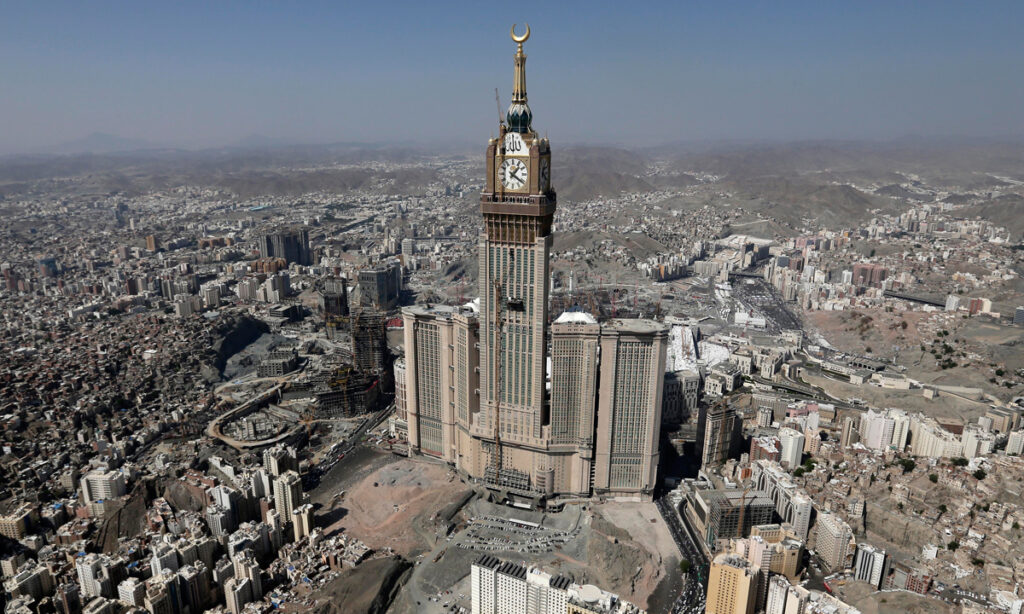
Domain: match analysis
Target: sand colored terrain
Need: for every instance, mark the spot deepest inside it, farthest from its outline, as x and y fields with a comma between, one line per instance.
x=857, y=330
x=864, y=597
x=639, y=526
x=392, y=506
x=978, y=347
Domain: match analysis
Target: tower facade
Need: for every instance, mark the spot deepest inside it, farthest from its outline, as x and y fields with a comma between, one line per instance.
x=629, y=407
x=575, y=351
x=478, y=392
x=518, y=205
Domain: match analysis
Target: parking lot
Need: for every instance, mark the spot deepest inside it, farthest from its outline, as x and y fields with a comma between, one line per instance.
x=495, y=534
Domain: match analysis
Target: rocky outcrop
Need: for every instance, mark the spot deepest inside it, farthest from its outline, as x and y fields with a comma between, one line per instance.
x=370, y=588
x=236, y=332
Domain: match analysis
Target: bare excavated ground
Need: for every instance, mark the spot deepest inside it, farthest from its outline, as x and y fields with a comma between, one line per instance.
x=394, y=505
x=646, y=528
x=868, y=600
x=613, y=545
x=859, y=330
x=986, y=354
x=944, y=406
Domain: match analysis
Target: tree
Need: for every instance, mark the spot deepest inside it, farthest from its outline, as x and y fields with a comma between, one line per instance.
x=933, y=477
x=942, y=508
x=684, y=566
x=907, y=464
x=980, y=474
x=960, y=461
x=799, y=471
x=953, y=545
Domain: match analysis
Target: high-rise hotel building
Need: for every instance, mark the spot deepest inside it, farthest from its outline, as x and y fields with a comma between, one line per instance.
x=529, y=407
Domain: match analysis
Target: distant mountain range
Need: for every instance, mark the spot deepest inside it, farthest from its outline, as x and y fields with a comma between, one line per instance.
x=832, y=183
x=100, y=142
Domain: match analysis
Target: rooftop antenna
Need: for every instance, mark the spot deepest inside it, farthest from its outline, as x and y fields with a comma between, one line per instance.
x=497, y=102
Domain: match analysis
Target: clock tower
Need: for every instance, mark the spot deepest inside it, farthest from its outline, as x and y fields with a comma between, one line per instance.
x=518, y=205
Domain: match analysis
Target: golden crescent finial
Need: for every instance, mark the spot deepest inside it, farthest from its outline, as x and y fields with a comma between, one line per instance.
x=520, y=39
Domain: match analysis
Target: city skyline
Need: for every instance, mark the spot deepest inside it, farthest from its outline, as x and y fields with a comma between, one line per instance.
x=530, y=379
x=200, y=76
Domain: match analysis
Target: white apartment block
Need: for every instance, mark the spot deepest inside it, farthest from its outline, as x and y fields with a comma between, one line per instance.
x=502, y=587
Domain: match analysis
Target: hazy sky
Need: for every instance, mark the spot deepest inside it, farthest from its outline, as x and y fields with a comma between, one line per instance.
x=209, y=73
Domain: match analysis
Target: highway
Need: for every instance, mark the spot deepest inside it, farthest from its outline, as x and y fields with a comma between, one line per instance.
x=691, y=599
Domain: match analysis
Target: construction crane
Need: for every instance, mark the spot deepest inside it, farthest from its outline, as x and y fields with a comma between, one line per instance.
x=743, y=510
x=499, y=327
x=497, y=102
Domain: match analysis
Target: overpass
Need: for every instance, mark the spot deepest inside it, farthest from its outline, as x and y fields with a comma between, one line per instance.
x=914, y=299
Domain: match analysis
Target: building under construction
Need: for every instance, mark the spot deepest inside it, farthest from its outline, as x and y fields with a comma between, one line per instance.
x=334, y=297
x=369, y=342
x=723, y=514
x=340, y=392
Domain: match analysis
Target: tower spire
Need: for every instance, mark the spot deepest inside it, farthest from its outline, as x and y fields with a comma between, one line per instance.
x=519, y=116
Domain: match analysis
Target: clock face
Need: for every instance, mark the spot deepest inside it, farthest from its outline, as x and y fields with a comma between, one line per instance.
x=513, y=173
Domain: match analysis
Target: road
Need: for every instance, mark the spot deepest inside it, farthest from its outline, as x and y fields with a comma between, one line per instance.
x=691, y=599
x=312, y=477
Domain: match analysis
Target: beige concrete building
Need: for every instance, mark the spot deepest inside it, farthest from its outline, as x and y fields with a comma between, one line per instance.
x=574, y=365
x=287, y=493
x=732, y=585
x=442, y=381
x=477, y=378
x=834, y=542
x=302, y=521
x=629, y=407
x=16, y=524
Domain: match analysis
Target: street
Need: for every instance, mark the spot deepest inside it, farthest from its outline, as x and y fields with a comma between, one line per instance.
x=691, y=599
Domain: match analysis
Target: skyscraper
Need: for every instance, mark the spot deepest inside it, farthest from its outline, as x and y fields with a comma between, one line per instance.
x=476, y=391
x=833, y=541
x=629, y=407
x=292, y=245
x=574, y=370
x=433, y=385
x=518, y=205
x=369, y=342
x=792, y=443
x=287, y=493
x=718, y=424
x=380, y=286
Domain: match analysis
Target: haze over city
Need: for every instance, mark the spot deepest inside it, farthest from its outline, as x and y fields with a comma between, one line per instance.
x=532, y=309
x=198, y=75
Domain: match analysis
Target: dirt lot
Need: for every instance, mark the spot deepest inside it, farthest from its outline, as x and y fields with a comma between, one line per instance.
x=944, y=406
x=612, y=545
x=864, y=597
x=858, y=330
x=986, y=354
x=645, y=527
x=392, y=506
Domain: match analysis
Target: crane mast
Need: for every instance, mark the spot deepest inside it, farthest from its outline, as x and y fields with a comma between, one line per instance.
x=499, y=327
